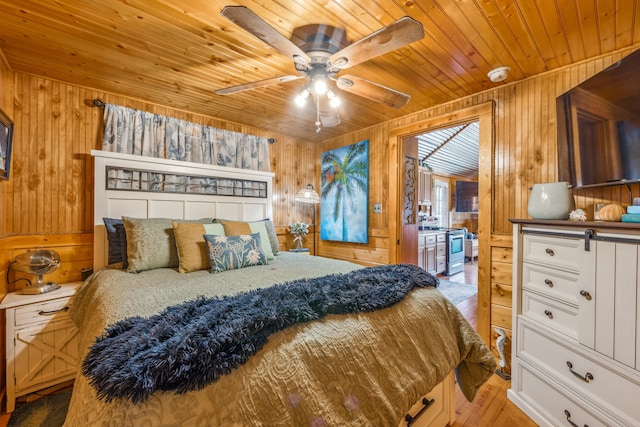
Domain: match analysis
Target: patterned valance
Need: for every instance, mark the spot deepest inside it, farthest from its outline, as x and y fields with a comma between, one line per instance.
x=131, y=131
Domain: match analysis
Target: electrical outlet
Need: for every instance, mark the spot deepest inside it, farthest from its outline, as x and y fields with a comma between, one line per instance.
x=377, y=208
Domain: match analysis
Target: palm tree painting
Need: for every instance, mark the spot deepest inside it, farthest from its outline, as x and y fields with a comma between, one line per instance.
x=345, y=194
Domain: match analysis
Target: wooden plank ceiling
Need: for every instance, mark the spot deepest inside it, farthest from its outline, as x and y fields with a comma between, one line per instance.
x=176, y=53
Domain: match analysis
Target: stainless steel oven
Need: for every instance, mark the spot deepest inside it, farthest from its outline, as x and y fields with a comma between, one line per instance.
x=455, y=251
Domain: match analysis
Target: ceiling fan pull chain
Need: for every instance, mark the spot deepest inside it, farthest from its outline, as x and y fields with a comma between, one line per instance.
x=318, y=122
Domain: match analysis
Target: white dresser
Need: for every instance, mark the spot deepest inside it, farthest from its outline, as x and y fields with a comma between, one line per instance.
x=576, y=335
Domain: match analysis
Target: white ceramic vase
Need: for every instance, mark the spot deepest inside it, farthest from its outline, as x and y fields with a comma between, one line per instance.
x=551, y=200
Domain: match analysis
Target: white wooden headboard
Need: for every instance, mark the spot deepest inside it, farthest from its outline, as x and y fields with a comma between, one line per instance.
x=248, y=203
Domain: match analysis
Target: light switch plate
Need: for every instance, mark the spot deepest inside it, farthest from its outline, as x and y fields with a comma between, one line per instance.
x=377, y=208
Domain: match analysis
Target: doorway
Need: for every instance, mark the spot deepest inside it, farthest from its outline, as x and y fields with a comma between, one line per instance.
x=483, y=114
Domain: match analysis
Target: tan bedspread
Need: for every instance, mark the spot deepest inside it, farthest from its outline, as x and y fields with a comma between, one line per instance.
x=356, y=369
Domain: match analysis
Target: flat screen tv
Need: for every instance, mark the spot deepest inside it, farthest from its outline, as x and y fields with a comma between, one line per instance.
x=599, y=128
x=466, y=196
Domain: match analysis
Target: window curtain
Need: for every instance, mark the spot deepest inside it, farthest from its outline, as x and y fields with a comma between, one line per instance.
x=138, y=132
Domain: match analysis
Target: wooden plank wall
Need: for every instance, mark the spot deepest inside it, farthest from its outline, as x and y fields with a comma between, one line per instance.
x=376, y=251
x=50, y=196
x=51, y=190
x=6, y=104
x=524, y=152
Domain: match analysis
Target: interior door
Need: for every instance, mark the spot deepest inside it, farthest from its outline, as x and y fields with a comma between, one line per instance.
x=408, y=242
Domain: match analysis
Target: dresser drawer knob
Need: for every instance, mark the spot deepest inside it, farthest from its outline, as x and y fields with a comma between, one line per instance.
x=586, y=295
x=550, y=252
x=548, y=282
x=549, y=314
x=568, y=415
x=586, y=377
x=51, y=312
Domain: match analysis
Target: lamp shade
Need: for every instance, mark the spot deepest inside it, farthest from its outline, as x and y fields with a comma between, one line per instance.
x=307, y=195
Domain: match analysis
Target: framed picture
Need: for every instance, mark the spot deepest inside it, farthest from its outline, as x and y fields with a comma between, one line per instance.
x=6, y=134
x=344, y=199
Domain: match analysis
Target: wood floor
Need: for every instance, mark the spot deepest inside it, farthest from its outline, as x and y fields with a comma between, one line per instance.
x=491, y=406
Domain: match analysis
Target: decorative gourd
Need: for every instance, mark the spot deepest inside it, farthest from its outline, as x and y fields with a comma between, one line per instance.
x=611, y=212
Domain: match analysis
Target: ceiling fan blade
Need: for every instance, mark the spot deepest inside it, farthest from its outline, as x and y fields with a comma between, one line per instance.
x=397, y=34
x=255, y=85
x=252, y=23
x=373, y=91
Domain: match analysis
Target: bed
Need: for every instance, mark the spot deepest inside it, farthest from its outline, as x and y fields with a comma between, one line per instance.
x=355, y=368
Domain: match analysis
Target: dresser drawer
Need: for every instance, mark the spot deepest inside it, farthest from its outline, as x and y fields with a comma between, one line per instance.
x=556, y=407
x=588, y=376
x=551, y=282
x=557, y=252
x=56, y=309
x=561, y=317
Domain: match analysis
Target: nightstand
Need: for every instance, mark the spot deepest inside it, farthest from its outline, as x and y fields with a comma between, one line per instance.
x=41, y=341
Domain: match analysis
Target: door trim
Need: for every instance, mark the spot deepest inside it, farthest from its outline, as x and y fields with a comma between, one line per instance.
x=484, y=114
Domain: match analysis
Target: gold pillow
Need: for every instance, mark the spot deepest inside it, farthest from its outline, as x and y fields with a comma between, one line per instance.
x=237, y=228
x=193, y=254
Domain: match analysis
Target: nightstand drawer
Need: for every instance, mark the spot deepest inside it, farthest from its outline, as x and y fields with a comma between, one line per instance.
x=45, y=311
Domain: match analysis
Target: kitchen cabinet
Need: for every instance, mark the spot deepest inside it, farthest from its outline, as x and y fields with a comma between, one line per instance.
x=432, y=251
x=424, y=186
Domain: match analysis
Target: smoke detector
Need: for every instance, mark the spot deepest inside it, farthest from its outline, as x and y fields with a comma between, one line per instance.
x=498, y=74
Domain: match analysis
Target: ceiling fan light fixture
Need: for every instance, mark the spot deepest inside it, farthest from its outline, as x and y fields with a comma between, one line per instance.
x=320, y=86
x=301, y=99
x=334, y=101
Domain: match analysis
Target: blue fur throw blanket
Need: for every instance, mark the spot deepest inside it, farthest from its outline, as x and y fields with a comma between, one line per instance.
x=190, y=345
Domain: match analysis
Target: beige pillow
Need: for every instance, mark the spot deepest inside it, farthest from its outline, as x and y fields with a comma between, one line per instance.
x=237, y=228
x=192, y=249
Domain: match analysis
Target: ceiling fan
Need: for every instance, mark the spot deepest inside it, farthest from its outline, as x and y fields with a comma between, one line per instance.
x=322, y=56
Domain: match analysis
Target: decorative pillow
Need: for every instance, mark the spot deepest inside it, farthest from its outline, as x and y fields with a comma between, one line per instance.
x=273, y=237
x=236, y=228
x=122, y=237
x=116, y=250
x=150, y=244
x=233, y=252
x=192, y=249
